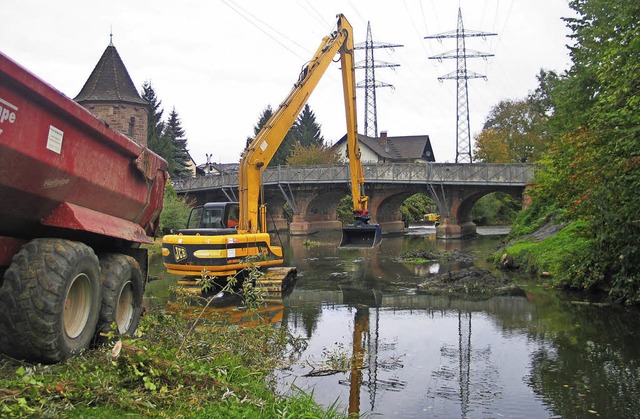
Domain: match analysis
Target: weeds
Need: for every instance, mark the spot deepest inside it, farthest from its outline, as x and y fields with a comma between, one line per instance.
x=188, y=359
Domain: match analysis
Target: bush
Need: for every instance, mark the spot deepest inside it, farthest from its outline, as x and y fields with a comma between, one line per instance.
x=175, y=211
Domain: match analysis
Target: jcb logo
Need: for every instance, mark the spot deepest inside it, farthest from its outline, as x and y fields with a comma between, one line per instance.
x=179, y=253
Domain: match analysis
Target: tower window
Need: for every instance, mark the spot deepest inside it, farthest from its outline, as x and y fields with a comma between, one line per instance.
x=132, y=123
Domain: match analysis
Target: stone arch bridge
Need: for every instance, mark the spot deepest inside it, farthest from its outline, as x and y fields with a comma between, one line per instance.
x=314, y=192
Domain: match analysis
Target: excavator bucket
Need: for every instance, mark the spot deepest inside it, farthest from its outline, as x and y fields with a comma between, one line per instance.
x=360, y=236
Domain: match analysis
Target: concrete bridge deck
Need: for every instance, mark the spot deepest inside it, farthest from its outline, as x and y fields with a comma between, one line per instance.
x=313, y=192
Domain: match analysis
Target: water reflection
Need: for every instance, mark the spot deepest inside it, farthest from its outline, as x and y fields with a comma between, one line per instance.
x=416, y=355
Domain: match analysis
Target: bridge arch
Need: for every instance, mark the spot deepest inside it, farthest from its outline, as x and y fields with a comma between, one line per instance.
x=385, y=206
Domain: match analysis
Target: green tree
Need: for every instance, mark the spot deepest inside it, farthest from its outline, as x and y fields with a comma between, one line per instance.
x=306, y=131
x=491, y=147
x=155, y=126
x=174, y=134
x=497, y=208
x=262, y=121
x=283, y=152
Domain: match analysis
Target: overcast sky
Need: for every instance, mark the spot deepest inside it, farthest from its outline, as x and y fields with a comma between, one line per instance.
x=221, y=62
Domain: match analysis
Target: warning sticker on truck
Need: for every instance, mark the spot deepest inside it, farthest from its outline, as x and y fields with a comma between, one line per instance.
x=54, y=141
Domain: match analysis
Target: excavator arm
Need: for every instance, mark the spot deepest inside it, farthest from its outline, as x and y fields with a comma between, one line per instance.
x=264, y=146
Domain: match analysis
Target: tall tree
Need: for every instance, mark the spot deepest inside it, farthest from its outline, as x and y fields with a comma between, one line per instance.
x=155, y=126
x=262, y=121
x=306, y=130
x=175, y=134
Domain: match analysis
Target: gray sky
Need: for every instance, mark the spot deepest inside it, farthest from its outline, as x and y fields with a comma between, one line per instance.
x=221, y=62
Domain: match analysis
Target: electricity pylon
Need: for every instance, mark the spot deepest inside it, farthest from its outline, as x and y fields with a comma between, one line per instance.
x=461, y=75
x=369, y=84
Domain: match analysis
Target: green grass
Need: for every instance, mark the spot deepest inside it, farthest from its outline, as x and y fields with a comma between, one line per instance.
x=558, y=254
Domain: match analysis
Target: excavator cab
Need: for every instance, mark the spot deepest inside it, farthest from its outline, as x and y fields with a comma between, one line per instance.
x=360, y=234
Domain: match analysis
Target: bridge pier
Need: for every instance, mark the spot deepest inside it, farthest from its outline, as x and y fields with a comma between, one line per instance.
x=449, y=230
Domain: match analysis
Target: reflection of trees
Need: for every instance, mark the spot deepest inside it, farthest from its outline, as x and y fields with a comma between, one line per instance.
x=590, y=366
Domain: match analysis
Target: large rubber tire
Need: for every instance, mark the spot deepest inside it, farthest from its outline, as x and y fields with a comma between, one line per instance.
x=50, y=301
x=122, y=293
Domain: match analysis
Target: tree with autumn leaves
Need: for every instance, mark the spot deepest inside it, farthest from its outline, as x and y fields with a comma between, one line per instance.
x=517, y=131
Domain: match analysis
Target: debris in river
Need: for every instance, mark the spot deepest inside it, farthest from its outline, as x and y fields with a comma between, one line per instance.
x=471, y=283
x=424, y=256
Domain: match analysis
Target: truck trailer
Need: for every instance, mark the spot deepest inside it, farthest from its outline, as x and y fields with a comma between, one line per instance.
x=78, y=201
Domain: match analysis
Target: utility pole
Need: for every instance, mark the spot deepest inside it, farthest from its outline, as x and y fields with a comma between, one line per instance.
x=461, y=75
x=369, y=84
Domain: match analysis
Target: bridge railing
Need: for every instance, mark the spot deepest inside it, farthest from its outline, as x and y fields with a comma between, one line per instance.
x=436, y=173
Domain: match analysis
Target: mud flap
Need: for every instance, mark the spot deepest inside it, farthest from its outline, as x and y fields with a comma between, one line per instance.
x=360, y=236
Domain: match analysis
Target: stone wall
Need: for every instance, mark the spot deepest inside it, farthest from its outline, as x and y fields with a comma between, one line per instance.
x=129, y=119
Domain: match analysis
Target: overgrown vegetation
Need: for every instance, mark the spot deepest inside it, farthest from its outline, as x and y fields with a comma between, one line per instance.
x=591, y=171
x=415, y=207
x=186, y=360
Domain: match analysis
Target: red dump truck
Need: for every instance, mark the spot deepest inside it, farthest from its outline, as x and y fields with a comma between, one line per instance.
x=77, y=201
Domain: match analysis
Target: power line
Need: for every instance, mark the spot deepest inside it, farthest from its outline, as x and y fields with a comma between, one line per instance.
x=244, y=12
x=370, y=84
x=461, y=75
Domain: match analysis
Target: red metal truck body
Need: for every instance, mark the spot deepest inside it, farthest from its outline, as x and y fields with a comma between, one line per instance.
x=62, y=167
x=76, y=200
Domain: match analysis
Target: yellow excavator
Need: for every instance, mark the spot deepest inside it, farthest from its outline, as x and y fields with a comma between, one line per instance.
x=213, y=244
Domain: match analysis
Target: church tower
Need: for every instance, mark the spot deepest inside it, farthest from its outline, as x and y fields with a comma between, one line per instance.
x=110, y=95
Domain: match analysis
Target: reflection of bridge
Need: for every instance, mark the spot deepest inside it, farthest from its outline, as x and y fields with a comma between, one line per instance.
x=314, y=192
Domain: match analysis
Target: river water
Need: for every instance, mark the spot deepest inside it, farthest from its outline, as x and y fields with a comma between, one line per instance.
x=376, y=346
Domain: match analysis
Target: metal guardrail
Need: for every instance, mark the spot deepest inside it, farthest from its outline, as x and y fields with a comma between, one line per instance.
x=507, y=174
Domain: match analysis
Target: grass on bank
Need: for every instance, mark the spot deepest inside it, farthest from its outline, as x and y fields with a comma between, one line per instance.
x=199, y=365
x=557, y=254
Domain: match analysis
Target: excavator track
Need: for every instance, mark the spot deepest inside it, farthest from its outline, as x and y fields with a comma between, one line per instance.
x=274, y=282
x=277, y=280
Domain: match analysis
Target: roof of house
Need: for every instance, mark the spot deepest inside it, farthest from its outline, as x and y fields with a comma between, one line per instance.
x=409, y=147
x=109, y=81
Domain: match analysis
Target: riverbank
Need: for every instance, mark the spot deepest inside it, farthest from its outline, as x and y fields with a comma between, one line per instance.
x=558, y=254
